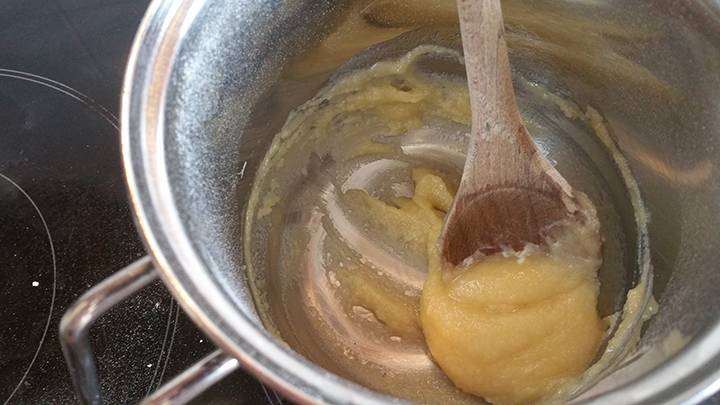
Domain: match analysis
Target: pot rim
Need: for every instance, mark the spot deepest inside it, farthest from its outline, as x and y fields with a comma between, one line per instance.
x=690, y=376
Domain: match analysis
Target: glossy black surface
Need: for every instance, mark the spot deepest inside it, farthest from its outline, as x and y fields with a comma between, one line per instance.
x=65, y=223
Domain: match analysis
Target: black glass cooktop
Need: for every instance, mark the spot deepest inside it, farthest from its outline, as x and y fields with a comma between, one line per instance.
x=65, y=223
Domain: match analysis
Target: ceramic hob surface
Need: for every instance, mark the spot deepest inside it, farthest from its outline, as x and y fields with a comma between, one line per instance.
x=65, y=223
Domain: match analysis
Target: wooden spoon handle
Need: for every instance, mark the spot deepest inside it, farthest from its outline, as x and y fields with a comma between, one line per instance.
x=501, y=152
x=493, y=105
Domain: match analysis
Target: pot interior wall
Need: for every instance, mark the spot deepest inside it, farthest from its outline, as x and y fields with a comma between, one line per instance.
x=650, y=67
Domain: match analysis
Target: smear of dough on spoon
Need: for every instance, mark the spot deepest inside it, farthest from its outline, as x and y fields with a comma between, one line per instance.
x=509, y=328
x=513, y=330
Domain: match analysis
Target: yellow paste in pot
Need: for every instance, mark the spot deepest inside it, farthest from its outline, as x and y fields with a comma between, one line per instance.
x=510, y=329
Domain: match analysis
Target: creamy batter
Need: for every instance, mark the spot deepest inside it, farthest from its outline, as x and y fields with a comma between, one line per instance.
x=515, y=329
x=360, y=284
x=510, y=329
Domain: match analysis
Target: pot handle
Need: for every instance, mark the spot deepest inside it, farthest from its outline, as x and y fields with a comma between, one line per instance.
x=79, y=318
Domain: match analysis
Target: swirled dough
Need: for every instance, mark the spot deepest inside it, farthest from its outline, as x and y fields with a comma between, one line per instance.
x=362, y=289
x=509, y=328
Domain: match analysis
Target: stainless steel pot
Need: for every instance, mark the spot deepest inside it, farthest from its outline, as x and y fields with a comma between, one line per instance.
x=201, y=104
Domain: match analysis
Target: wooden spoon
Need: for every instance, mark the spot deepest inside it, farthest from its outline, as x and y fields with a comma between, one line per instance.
x=509, y=194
